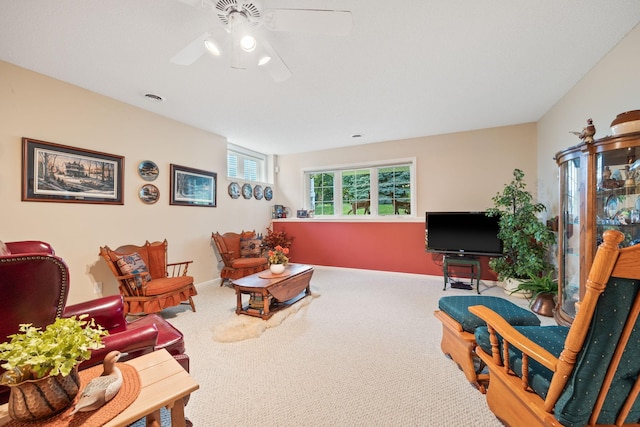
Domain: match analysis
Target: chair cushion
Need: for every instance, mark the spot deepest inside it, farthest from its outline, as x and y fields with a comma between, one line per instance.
x=167, y=284
x=457, y=306
x=133, y=264
x=575, y=403
x=250, y=248
x=248, y=262
x=550, y=337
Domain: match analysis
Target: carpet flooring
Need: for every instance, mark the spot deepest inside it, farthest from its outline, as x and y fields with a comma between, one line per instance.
x=366, y=353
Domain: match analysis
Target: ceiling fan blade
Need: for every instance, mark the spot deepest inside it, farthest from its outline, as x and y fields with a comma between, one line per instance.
x=191, y=52
x=330, y=22
x=276, y=66
x=200, y=4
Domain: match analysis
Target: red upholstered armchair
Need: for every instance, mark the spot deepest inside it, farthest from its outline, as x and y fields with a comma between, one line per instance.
x=34, y=284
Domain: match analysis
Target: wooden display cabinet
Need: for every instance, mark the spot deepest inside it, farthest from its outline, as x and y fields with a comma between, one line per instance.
x=599, y=190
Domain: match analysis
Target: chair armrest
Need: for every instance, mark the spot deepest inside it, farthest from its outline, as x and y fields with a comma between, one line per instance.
x=513, y=337
x=30, y=246
x=134, y=342
x=108, y=312
x=175, y=269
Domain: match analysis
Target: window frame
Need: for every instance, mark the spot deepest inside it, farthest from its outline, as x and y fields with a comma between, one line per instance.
x=373, y=167
x=241, y=153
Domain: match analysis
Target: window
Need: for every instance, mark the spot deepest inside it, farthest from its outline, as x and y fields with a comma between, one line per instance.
x=246, y=164
x=384, y=189
x=322, y=191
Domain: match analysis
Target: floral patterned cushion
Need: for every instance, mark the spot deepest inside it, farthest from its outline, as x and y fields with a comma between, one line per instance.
x=134, y=264
x=250, y=248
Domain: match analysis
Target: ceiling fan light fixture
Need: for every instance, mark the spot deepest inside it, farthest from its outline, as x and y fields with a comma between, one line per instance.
x=248, y=43
x=212, y=47
x=264, y=60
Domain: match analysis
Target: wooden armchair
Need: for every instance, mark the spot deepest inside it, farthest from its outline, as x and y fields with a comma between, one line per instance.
x=147, y=282
x=241, y=254
x=588, y=374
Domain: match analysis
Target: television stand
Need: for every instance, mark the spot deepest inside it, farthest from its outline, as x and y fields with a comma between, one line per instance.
x=465, y=261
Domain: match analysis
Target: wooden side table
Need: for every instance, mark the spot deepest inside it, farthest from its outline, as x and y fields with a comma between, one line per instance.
x=164, y=383
x=473, y=263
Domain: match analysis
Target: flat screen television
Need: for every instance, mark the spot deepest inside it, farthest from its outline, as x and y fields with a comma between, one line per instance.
x=462, y=233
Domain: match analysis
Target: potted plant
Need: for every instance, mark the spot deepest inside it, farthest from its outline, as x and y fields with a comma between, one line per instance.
x=542, y=290
x=37, y=358
x=526, y=239
x=276, y=238
x=278, y=259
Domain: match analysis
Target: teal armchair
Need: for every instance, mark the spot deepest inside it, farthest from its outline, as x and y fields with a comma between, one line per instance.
x=588, y=374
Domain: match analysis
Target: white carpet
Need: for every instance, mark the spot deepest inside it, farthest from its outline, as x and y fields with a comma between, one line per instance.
x=367, y=353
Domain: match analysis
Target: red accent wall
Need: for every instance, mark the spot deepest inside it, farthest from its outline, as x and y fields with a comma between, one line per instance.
x=385, y=246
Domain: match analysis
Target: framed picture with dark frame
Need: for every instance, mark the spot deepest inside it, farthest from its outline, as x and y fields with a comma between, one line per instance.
x=192, y=187
x=60, y=173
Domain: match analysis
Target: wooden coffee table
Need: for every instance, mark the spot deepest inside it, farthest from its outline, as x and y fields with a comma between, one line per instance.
x=274, y=292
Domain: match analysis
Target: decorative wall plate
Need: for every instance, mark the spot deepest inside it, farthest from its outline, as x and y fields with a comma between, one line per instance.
x=611, y=206
x=234, y=190
x=246, y=191
x=257, y=192
x=149, y=194
x=148, y=170
x=268, y=193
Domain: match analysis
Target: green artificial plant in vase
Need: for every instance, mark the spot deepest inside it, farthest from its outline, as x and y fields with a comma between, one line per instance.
x=526, y=239
x=42, y=365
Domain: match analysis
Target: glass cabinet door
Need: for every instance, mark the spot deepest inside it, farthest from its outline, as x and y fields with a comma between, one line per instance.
x=617, y=194
x=569, y=255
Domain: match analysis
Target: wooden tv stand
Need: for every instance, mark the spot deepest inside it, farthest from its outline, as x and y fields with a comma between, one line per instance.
x=471, y=262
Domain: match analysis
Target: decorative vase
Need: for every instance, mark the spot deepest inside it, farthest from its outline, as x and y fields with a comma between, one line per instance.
x=42, y=398
x=277, y=268
x=544, y=304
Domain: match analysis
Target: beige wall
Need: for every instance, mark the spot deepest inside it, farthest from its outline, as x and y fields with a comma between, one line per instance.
x=38, y=107
x=610, y=88
x=456, y=172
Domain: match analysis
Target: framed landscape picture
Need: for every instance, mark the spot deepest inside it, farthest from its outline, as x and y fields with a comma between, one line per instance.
x=59, y=173
x=192, y=187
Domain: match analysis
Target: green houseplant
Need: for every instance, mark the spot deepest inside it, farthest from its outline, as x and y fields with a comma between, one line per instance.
x=526, y=239
x=41, y=365
x=543, y=290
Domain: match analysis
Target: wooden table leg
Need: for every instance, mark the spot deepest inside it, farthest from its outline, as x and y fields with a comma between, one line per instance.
x=265, y=302
x=153, y=419
x=177, y=414
x=239, y=301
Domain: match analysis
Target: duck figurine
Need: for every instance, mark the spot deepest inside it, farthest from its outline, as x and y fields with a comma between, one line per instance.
x=101, y=389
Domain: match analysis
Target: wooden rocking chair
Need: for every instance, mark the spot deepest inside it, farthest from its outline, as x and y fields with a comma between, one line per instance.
x=155, y=286
x=588, y=374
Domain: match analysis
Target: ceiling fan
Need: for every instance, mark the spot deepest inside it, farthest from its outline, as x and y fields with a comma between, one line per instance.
x=237, y=34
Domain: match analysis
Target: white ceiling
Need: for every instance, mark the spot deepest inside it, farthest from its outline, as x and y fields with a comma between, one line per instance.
x=408, y=68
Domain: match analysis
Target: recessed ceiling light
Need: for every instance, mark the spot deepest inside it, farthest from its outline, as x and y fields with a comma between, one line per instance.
x=153, y=97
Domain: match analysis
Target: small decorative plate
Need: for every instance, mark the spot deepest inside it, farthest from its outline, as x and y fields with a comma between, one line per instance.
x=611, y=206
x=234, y=190
x=148, y=170
x=246, y=191
x=257, y=192
x=149, y=194
x=268, y=193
